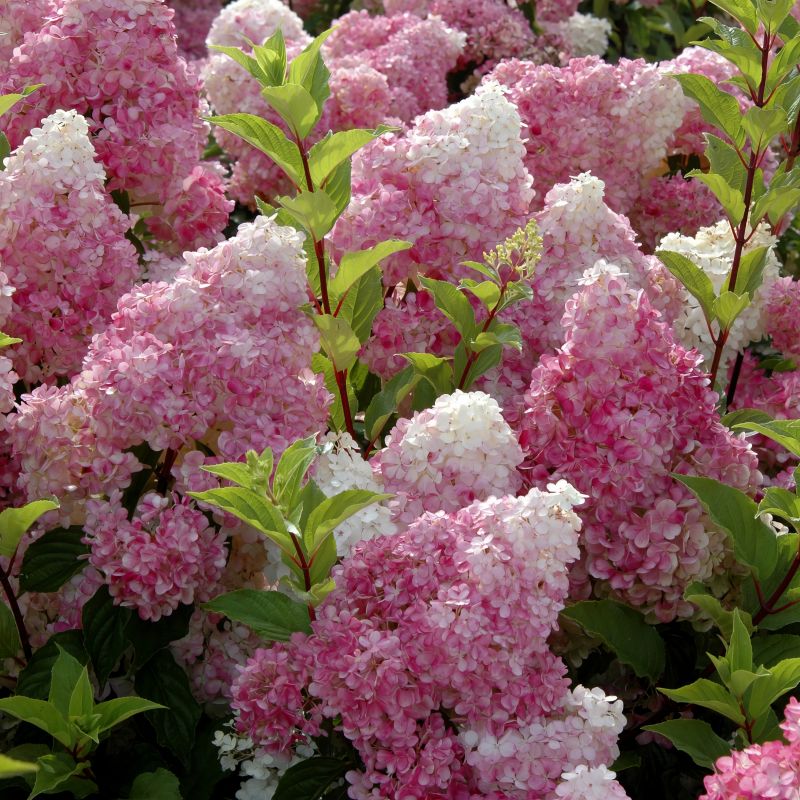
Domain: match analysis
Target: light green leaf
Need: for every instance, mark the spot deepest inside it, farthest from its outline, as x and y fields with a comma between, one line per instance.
x=773, y=12
x=624, y=631
x=707, y=694
x=11, y=767
x=15, y=522
x=728, y=306
x=309, y=71
x=740, y=650
x=782, y=503
x=785, y=432
x=352, y=266
x=292, y=468
x=733, y=511
x=58, y=772
x=488, y=292
x=699, y=595
x=7, y=341
x=315, y=211
x=385, y=403
x=42, y=714
x=697, y=283
x=501, y=333
x=762, y=125
x=324, y=366
x=718, y=108
x=453, y=304
x=9, y=100
x=271, y=57
x=295, y=106
x=437, y=371
x=751, y=271
x=734, y=418
x=783, y=677
x=695, y=738
x=333, y=511
x=337, y=187
x=730, y=199
x=244, y=60
x=327, y=154
x=361, y=304
x=234, y=471
x=267, y=138
x=338, y=340
x=272, y=615
x=741, y=10
x=112, y=712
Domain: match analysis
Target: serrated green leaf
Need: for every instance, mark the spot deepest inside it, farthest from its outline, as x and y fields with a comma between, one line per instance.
x=785, y=432
x=624, y=631
x=353, y=266
x=741, y=10
x=437, y=371
x=267, y=138
x=272, y=615
x=718, y=108
x=315, y=211
x=453, y=304
x=697, y=283
x=362, y=303
x=751, y=271
x=309, y=71
x=243, y=60
x=292, y=468
x=41, y=713
x=707, y=694
x=271, y=57
x=15, y=522
x=327, y=154
x=762, y=125
x=337, y=187
x=333, y=511
x=740, y=650
x=294, y=105
x=728, y=306
x=783, y=677
x=234, y=471
x=730, y=198
x=695, y=738
x=311, y=778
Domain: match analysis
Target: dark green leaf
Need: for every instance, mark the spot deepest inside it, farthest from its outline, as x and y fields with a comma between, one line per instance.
x=385, y=403
x=697, y=283
x=58, y=772
x=148, y=637
x=362, y=303
x=695, y=738
x=453, y=304
x=708, y=694
x=158, y=785
x=35, y=679
x=9, y=635
x=272, y=615
x=311, y=778
x=104, y=632
x=52, y=560
x=624, y=631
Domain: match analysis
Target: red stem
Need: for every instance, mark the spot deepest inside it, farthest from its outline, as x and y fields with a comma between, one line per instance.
x=17, y=614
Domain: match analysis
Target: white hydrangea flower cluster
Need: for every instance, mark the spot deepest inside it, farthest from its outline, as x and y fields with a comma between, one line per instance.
x=712, y=249
x=590, y=783
x=448, y=456
x=262, y=771
x=585, y=34
x=340, y=468
x=247, y=19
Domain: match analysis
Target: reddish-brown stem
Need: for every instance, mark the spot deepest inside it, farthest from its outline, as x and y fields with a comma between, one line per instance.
x=769, y=607
x=305, y=566
x=474, y=355
x=17, y=614
x=164, y=472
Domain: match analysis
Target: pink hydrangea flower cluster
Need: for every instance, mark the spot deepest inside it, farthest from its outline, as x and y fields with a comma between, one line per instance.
x=454, y=185
x=782, y=310
x=166, y=555
x=494, y=30
x=18, y=17
x=205, y=358
x=768, y=770
x=573, y=113
x=193, y=19
x=618, y=408
x=447, y=456
x=62, y=248
x=118, y=65
x=431, y=655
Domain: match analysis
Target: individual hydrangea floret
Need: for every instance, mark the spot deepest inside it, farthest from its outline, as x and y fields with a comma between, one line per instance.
x=62, y=248
x=615, y=411
x=445, y=457
x=448, y=617
x=454, y=185
x=712, y=250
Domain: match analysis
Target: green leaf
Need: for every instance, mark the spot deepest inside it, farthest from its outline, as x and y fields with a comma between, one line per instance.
x=785, y=432
x=7, y=341
x=718, y=108
x=783, y=677
x=751, y=271
x=267, y=138
x=762, y=125
x=233, y=471
x=741, y=10
x=309, y=71
x=11, y=767
x=782, y=503
x=773, y=12
x=453, y=304
x=9, y=635
x=337, y=187
x=695, y=738
x=353, y=266
x=436, y=371
x=725, y=161
x=775, y=647
x=295, y=106
x=158, y=785
x=783, y=64
x=66, y=675
x=315, y=211
x=323, y=366
x=697, y=283
x=36, y=678
x=740, y=650
x=311, y=778
x=104, y=632
x=500, y=333
x=337, y=338
x=7, y=101
x=385, y=403
x=730, y=199
x=244, y=60
x=43, y=715
x=149, y=637
x=728, y=306
x=58, y=772
x=52, y=560
x=361, y=304
x=734, y=418
x=488, y=292
x=272, y=615
x=707, y=694
x=200, y=780
x=328, y=153
x=112, y=712
x=733, y=511
x=250, y=507
x=271, y=57
x=163, y=681
x=624, y=631
x=15, y=522
x=699, y=595
x=333, y=511
x=292, y=468
x=81, y=701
